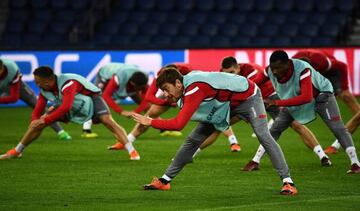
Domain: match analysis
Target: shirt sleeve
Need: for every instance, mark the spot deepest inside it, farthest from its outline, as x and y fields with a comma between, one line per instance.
x=108, y=92
x=261, y=77
x=39, y=107
x=306, y=91
x=144, y=105
x=193, y=97
x=13, y=95
x=343, y=70
x=68, y=91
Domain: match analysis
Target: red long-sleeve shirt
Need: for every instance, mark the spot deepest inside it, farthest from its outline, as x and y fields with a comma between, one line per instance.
x=307, y=91
x=193, y=101
x=324, y=63
x=14, y=93
x=111, y=87
x=251, y=72
x=69, y=90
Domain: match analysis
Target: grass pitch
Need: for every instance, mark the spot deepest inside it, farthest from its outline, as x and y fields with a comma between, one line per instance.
x=82, y=174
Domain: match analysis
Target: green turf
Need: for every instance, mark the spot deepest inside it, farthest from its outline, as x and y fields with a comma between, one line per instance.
x=81, y=174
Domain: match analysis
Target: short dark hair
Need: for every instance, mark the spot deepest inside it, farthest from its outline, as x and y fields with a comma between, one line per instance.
x=279, y=55
x=168, y=75
x=44, y=72
x=139, y=78
x=228, y=62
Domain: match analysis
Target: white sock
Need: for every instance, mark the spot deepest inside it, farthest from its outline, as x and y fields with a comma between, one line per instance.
x=259, y=153
x=270, y=123
x=20, y=147
x=60, y=131
x=197, y=152
x=288, y=180
x=87, y=125
x=351, y=152
x=336, y=144
x=131, y=137
x=232, y=139
x=165, y=177
x=129, y=147
x=319, y=151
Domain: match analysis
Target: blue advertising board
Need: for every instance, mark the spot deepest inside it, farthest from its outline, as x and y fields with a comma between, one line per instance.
x=87, y=63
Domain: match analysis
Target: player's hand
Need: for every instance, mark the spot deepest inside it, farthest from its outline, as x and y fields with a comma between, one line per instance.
x=142, y=119
x=269, y=103
x=127, y=114
x=37, y=123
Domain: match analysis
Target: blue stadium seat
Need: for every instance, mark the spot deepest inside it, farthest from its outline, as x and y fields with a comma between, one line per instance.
x=260, y=41
x=39, y=4
x=200, y=41
x=263, y=5
x=43, y=15
x=323, y=41
x=65, y=15
x=146, y=5
x=11, y=39
x=237, y=17
x=324, y=5
x=220, y=42
x=256, y=17
x=128, y=29
x=247, y=29
x=289, y=30
x=15, y=26
x=19, y=14
x=268, y=30
x=38, y=27
x=281, y=41
x=229, y=30
x=244, y=5
x=165, y=5
x=330, y=30
x=240, y=41
x=189, y=29
x=184, y=5
x=224, y=5
x=119, y=17
x=158, y=17
x=54, y=39
x=161, y=41
x=170, y=29
x=176, y=17
x=276, y=18
x=301, y=41
x=304, y=5
x=60, y=27
x=141, y=40
x=102, y=39
x=32, y=39
x=125, y=5
x=316, y=18
x=182, y=41
x=296, y=17
x=309, y=30
x=209, y=29
x=217, y=17
x=284, y=6
x=345, y=6
x=109, y=28
x=148, y=28
x=138, y=17
x=121, y=40
x=338, y=18
x=197, y=17
x=58, y=4
x=204, y=5
x=18, y=4
x=79, y=5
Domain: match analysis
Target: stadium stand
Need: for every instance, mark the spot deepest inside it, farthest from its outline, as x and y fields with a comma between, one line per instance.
x=177, y=24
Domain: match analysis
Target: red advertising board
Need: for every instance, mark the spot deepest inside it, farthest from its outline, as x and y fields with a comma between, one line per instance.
x=211, y=58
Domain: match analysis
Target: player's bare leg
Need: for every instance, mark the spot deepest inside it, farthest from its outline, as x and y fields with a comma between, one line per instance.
x=350, y=101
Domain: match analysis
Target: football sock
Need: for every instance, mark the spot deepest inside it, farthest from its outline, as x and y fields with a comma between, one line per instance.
x=288, y=180
x=129, y=147
x=259, y=153
x=60, y=131
x=20, y=147
x=336, y=144
x=232, y=139
x=351, y=152
x=131, y=137
x=319, y=151
x=87, y=125
x=165, y=179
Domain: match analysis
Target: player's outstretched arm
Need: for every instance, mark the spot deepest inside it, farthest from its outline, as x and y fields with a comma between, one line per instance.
x=141, y=119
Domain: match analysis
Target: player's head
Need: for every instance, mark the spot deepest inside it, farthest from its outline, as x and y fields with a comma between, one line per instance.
x=170, y=81
x=138, y=80
x=44, y=78
x=279, y=63
x=230, y=65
